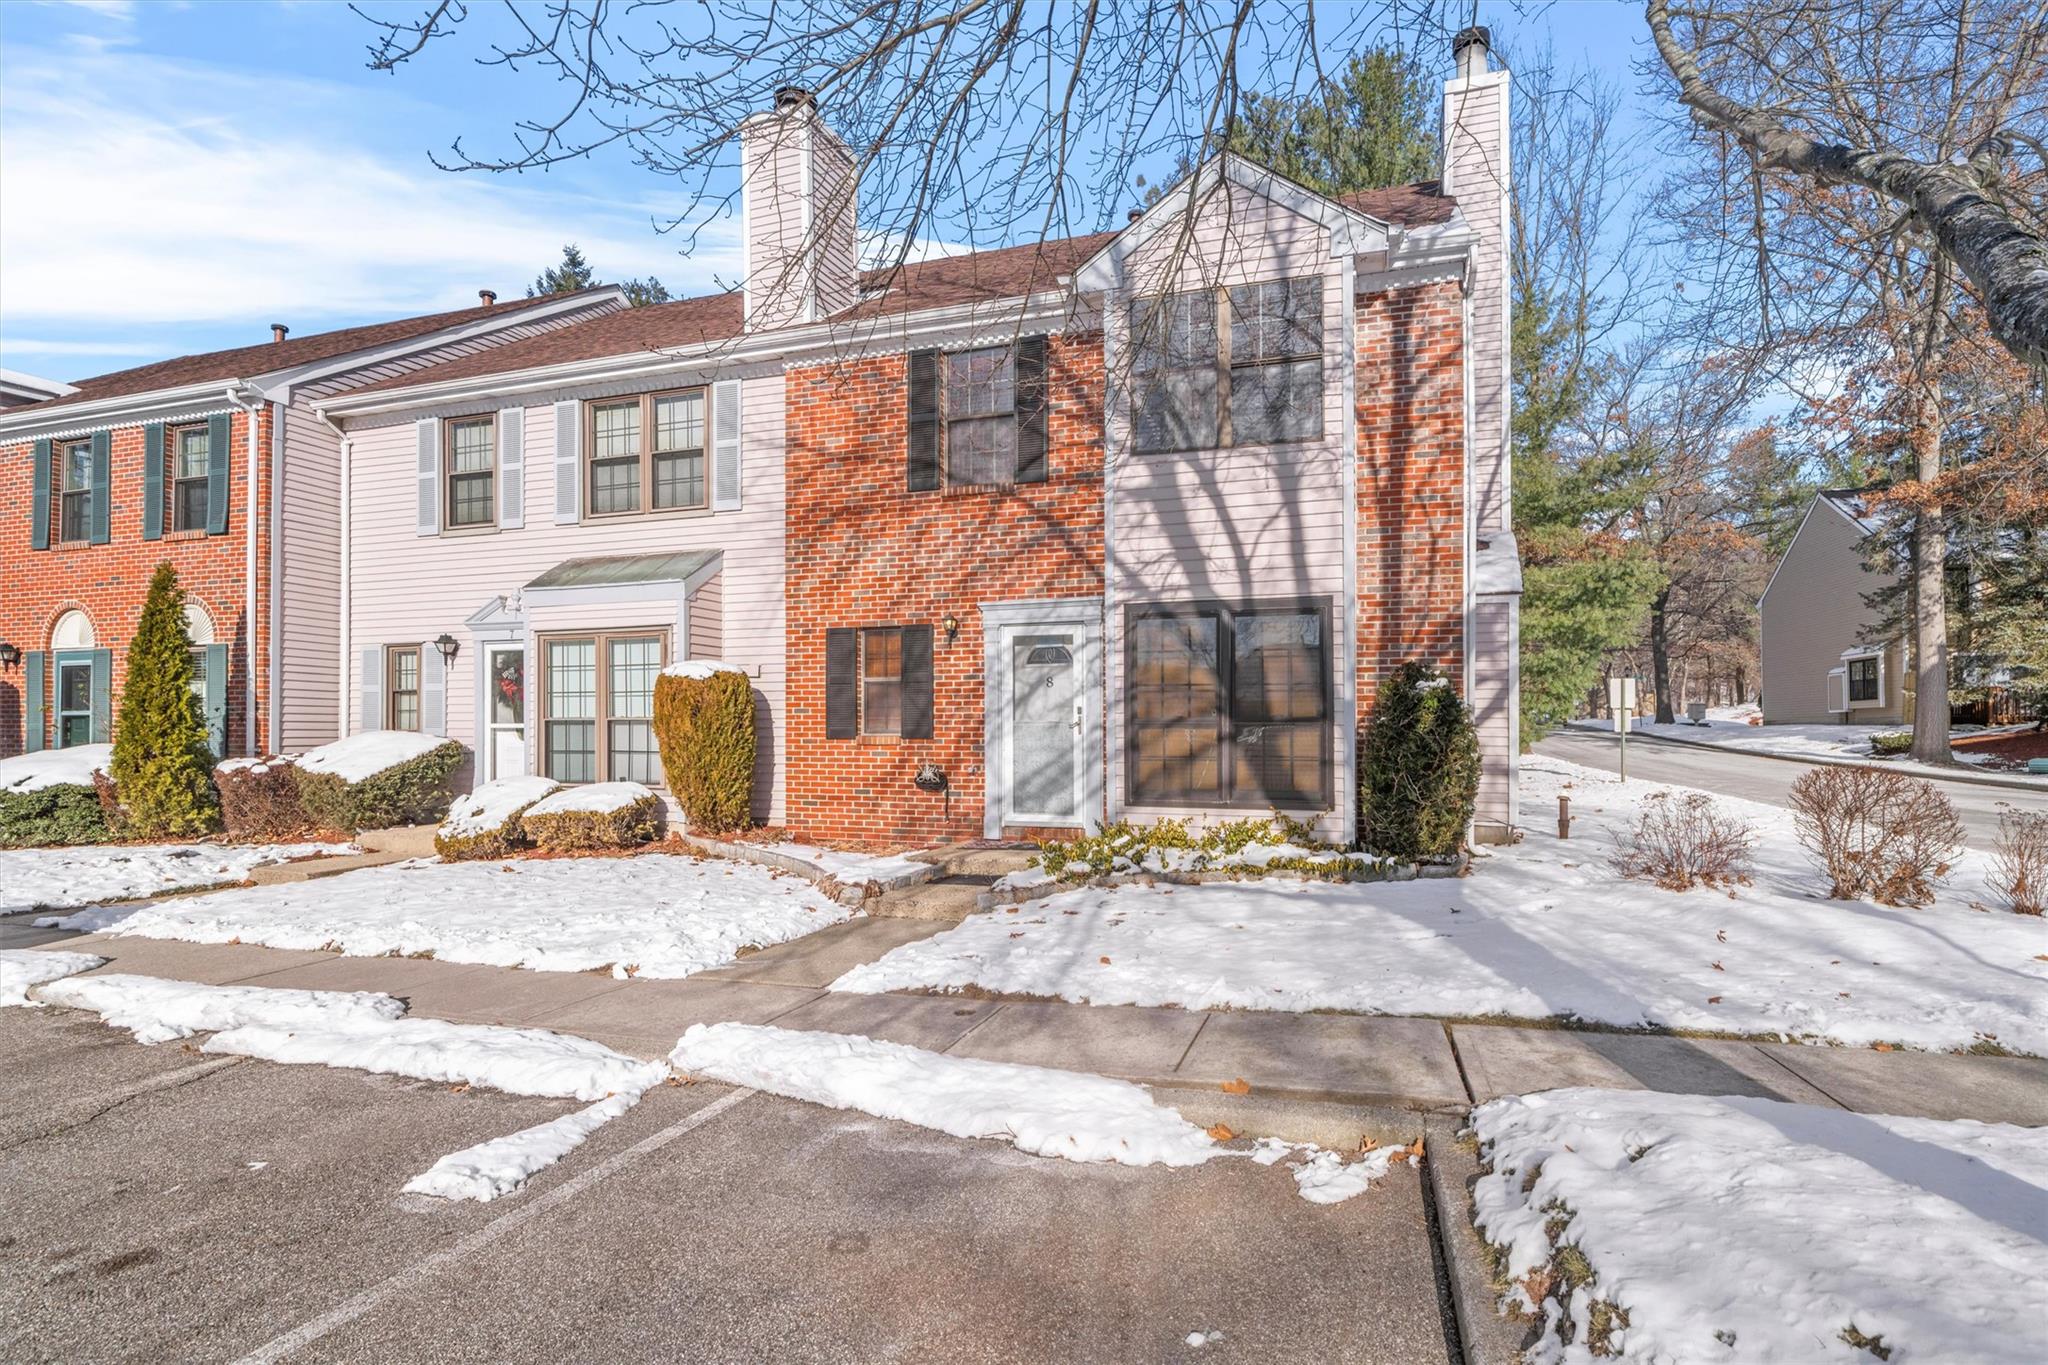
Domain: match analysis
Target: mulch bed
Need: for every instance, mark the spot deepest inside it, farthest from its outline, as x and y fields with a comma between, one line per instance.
x=2012, y=749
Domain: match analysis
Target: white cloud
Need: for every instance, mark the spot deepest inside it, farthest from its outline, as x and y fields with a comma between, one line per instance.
x=141, y=191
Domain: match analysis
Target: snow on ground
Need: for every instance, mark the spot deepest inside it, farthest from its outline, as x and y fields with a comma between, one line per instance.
x=54, y=768
x=88, y=874
x=1045, y=1112
x=491, y=805
x=850, y=867
x=659, y=914
x=1544, y=928
x=21, y=968
x=1748, y=1229
x=498, y=1167
x=1728, y=727
x=156, y=1010
x=593, y=798
x=367, y=753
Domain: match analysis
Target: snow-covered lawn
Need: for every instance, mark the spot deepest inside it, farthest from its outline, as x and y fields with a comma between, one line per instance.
x=1729, y=727
x=1542, y=929
x=658, y=915
x=21, y=968
x=1726, y=1229
x=60, y=878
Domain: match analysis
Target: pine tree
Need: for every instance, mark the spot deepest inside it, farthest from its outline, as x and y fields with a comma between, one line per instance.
x=162, y=769
x=572, y=274
x=640, y=293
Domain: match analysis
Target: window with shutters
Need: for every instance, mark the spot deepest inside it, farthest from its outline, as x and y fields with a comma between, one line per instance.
x=881, y=681
x=980, y=404
x=472, y=472
x=188, y=478
x=648, y=453
x=75, y=512
x=597, y=706
x=1233, y=366
x=402, y=687
x=1229, y=706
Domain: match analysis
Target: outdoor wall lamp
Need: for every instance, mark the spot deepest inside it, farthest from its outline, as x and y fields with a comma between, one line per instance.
x=10, y=654
x=448, y=645
x=952, y=625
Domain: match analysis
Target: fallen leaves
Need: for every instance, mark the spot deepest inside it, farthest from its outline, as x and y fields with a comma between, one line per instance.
x=1221, y=1132
x=1717, y=967
x=1883, y=1047
x=1713, y=1000
x=1104, y=961
x=1240, y=1086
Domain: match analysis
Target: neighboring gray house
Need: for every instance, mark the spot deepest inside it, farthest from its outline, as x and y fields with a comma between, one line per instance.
x=1822, y=660
x=17, y=388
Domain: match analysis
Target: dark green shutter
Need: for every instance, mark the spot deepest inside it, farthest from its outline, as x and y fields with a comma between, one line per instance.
x=922, y=472
x=102, y=696
x=842, y=663
x=35, y=684
x=1030, y=389
x=917, y=682
x=217, y=474
x=39, y=513
x=102, y=490
x=217, y=700
x=153, y=458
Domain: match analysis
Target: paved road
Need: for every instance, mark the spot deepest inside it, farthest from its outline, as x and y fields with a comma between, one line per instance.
x=164, y=1205
x=1761, y=779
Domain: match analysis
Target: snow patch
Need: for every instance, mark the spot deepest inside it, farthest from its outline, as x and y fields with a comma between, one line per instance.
x=498, y=1167
x=488, y=807
x=700, y=669
x=22, y=968
x=597, y=797
x=156, y=1010
x=87, y=874
x=368, y=753
x=1749, y=1229
x=72, y=767
x=1041, y=1111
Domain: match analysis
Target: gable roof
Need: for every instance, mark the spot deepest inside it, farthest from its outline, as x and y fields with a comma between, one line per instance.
x=244, y=362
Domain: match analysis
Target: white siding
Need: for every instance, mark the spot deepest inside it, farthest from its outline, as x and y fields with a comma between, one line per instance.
x=404, y=587
x=707, y=620
x=1476, y=171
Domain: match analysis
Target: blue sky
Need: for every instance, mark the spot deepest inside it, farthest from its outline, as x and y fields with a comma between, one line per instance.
x=176, y=177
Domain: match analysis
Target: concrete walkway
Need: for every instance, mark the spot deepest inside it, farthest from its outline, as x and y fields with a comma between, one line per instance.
x=1394, y=1068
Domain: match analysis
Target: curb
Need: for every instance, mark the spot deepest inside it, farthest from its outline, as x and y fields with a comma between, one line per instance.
x=852, y=894
x=1965, y=776
x=997, y=897
x=1449, y=1168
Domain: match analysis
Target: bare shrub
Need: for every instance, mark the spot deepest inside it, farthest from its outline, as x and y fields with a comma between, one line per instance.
x=2019, y=861
x=1881, y=836
x=259, y=802
x=1685, y=843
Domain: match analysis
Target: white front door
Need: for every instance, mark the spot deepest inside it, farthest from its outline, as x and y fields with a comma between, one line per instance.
x=504, y=711
x=1047, y=723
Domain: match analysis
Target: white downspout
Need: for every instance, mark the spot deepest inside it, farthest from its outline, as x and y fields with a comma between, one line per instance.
x=249, y=579
x=345, y=660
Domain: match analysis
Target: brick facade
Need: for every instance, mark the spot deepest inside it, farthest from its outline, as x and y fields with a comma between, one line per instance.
x=1411, y=483
x=864, y=551
x=108, y=582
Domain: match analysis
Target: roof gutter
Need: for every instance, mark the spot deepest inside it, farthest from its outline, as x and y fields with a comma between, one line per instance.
x=37, y=421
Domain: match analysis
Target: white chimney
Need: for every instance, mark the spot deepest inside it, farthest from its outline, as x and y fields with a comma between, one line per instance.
x=797, y=206
x=1476, y=142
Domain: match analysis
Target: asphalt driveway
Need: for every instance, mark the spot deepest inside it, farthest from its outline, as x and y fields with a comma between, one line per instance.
x=164, y=1205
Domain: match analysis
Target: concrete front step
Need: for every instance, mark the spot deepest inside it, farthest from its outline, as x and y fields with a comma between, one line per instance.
x=407, y=841
x=944, y=898
x=976, y=860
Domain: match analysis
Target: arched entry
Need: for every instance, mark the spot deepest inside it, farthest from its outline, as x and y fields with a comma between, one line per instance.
x=209, y=675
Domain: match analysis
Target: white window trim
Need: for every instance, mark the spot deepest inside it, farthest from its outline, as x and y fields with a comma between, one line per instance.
x=1853, y=655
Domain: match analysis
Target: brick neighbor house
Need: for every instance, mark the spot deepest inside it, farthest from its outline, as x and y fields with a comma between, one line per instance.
x=1124, y=525
x=219, y=464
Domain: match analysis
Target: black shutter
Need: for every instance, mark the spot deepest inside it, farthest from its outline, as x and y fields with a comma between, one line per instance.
x=842, y=665
x=917, y=682
x=153, y=459
x=39, y=512
x=217, y=467
x=923, y=438
x=1031, y=410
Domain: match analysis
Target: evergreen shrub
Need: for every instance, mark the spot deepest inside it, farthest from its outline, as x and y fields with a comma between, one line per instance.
x=162, y=767
x=1419, y=772
x=704, y=723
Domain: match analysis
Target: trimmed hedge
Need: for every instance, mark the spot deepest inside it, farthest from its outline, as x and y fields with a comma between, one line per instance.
x=487, y=822
x=64, y=813
x=1419, y=773
x=705, y=727
x=259, y=802
x=1892, y=742
x=556, y=826
x=415, y=792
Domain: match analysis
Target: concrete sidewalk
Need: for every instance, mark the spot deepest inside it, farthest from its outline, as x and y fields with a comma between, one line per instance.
x=1393, y=1067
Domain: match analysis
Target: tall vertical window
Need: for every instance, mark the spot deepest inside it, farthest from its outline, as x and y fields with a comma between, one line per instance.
x=647, y=453
x=615, y=457
x=1229, y=706
x=472, y=473
x=75, y=520
x=981, y=426
x=402, y=687
x=74, y=705
x=1235, y=366
x=881, y=682
x=597, y=707
x=679, y=449
x=1863, y=675
x=188, y=479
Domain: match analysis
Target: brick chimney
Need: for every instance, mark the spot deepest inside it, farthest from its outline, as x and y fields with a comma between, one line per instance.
x=277, y=331
x=798, y=198
x=489, y=297
x=1476, y=172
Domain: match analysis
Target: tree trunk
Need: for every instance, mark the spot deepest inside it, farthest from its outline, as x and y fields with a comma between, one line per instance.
x=1660, y=654
x=1930, y=601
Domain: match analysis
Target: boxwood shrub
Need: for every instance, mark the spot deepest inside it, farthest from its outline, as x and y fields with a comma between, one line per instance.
x=704, y=723
x=1419, y=773
x=64, y=813
x=487, y=823
x=610, y=815
x=414, y=792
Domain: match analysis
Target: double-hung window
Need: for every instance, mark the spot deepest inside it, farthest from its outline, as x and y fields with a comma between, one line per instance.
x=472, y=473
x=597, y=707
x=648, y=454
x=402, y=687
x=1863, y=679
x=881, y=681
x=75, y=516
x=981, y=426
x=1232, y=366
x=1229, y=706
x=188, y=479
